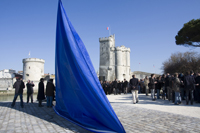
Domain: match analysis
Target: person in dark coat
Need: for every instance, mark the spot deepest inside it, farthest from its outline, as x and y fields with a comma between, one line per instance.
x=115, y=87
x=125, y=84
x=197, y=80
x=134, y=89
x=189, y=87
x=19, y=86
x=41, y=95
x=167, y=88
x=119, y=87
x=158, y=86
x=104, y=86
x=111, y=87
x=152, y=83
x=163, y=86
x=29, y=86
x=50, y=88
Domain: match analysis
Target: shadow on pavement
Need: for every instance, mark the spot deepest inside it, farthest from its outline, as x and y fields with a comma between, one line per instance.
x=46, y=114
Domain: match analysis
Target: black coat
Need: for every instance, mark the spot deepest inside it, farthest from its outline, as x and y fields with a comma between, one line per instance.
x=50, y=88
x=30, y=88
x=151, y=83
x=125, y=84
x=134, y=84
x=119, y=86
x=167, y=81
x=197, y=80
x=115, y=84
x=40, y=95
x=159, y=84
x=189, y=82
x=19, y=86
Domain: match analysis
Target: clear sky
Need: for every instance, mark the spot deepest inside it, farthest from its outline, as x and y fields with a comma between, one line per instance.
x=147, y=27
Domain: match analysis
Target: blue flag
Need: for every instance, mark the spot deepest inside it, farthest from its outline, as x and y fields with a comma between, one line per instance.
x=79, y=95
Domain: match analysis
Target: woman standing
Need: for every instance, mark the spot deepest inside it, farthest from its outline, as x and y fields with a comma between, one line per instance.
x=40, y=95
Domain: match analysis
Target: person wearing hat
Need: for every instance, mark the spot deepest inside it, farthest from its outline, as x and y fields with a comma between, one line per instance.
x=41, y=95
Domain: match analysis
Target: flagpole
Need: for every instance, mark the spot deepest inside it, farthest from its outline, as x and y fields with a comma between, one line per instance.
x=109, y=30
x=139, y=66
x=29, y=54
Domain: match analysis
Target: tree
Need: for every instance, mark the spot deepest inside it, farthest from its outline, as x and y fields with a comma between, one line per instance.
x=189, y=35
x=182, y=62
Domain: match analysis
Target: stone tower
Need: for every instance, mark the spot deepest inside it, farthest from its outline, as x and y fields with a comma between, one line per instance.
x=114, y=61
x=107, y=58
x=33, y=69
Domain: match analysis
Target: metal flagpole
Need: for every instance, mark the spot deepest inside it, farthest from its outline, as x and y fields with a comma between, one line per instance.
x=109, y=30
x=29, y=54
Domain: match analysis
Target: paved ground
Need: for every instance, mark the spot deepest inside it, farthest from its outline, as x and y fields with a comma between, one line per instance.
x=146, y=116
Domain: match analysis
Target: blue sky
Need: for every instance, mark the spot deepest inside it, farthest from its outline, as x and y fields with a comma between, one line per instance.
x=147, y=27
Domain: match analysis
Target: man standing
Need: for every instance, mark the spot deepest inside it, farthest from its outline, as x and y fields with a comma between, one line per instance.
x=189, y=87
x=197, y=79
x=115, y=87
x=176, y=88
x=29, y=86
x=134, y=89
x=146, y=82
x=152, y=83
x=50, y=88
x=167, y=88
x=19, y=86
x=125, y=84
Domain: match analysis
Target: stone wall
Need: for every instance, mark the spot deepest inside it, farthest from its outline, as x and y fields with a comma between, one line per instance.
x=6, y=83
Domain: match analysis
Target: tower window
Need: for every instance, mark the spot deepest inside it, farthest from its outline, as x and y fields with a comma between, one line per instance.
x=29, y=67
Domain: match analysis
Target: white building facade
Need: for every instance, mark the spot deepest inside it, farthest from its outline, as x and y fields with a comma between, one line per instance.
x=114, y=61
x=7, y=73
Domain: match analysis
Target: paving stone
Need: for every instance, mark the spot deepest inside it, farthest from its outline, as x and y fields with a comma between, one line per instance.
x=33, y=119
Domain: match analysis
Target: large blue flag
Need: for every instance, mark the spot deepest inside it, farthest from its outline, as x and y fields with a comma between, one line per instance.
x=79, y=95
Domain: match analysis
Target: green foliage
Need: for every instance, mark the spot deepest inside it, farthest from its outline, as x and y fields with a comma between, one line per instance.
x=189, y=35
x=182, y=62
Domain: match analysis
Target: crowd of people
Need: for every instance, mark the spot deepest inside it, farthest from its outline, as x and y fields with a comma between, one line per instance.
x=175, y=87
x=50, y=92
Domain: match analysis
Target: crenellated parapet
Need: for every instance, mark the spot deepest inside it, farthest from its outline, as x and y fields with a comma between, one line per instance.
x=127, y=50
x=110, y=38
x=33, y=60
x=118, y=48
x=123, y=49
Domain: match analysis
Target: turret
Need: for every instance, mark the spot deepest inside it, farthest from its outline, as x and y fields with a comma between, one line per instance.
x=33, y=69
